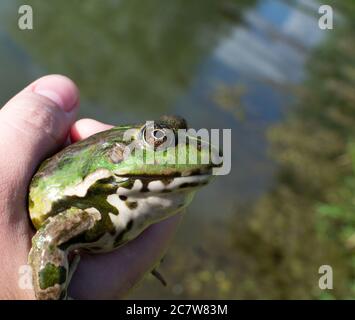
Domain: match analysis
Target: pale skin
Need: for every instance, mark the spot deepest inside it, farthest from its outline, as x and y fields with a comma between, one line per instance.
x=35, y=124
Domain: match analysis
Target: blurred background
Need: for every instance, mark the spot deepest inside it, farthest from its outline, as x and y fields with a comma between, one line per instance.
x=262, y=68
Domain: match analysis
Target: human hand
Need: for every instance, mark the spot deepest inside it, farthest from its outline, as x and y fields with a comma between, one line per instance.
x=34, y=125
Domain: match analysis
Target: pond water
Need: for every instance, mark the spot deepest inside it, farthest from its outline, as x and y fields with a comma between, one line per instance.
x=220, y=64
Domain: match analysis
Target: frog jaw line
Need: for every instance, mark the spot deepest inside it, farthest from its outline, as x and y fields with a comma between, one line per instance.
x=157, y=185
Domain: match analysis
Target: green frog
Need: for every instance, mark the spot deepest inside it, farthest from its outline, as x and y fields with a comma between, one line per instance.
x=99, y=193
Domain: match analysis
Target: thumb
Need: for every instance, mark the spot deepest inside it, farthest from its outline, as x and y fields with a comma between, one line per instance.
x=34, y=124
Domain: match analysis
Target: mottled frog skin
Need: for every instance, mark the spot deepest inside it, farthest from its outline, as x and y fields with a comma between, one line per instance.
x=89, y=197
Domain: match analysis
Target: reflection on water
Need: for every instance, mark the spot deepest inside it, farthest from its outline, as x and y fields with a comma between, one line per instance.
x=221, y=64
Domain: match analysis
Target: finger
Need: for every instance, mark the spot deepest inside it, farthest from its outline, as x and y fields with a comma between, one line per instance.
x=113, y=275
x=86, y=127
x=35, y=123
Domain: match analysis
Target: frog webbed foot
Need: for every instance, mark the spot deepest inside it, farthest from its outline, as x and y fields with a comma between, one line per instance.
x=49, y=254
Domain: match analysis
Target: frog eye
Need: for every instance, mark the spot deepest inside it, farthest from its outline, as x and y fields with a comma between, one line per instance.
x=154, y=136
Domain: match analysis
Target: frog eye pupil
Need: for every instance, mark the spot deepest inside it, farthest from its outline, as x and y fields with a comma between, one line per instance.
x=158, y=134
x=154, y=136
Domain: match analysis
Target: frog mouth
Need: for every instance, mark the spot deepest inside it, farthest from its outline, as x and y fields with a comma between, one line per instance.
x=169, y=174
x=168, y=183
x=187, y=182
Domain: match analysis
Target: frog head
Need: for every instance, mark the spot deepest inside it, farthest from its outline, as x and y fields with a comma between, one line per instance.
x=165, y=148
x=152, y=162
x=163, y=160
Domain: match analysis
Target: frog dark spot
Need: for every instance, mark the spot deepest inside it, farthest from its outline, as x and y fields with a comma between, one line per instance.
x=193, y=184
x=123, y=198
x=189, y=185
x=166, y=191
x=131, y=204
x=51, y=275
x=95, y=197
x=145, y=183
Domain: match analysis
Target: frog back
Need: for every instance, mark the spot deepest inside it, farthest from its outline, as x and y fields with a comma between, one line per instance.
x=67, y=169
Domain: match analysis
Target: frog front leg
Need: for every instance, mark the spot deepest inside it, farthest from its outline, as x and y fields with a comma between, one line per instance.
x=49, y=259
